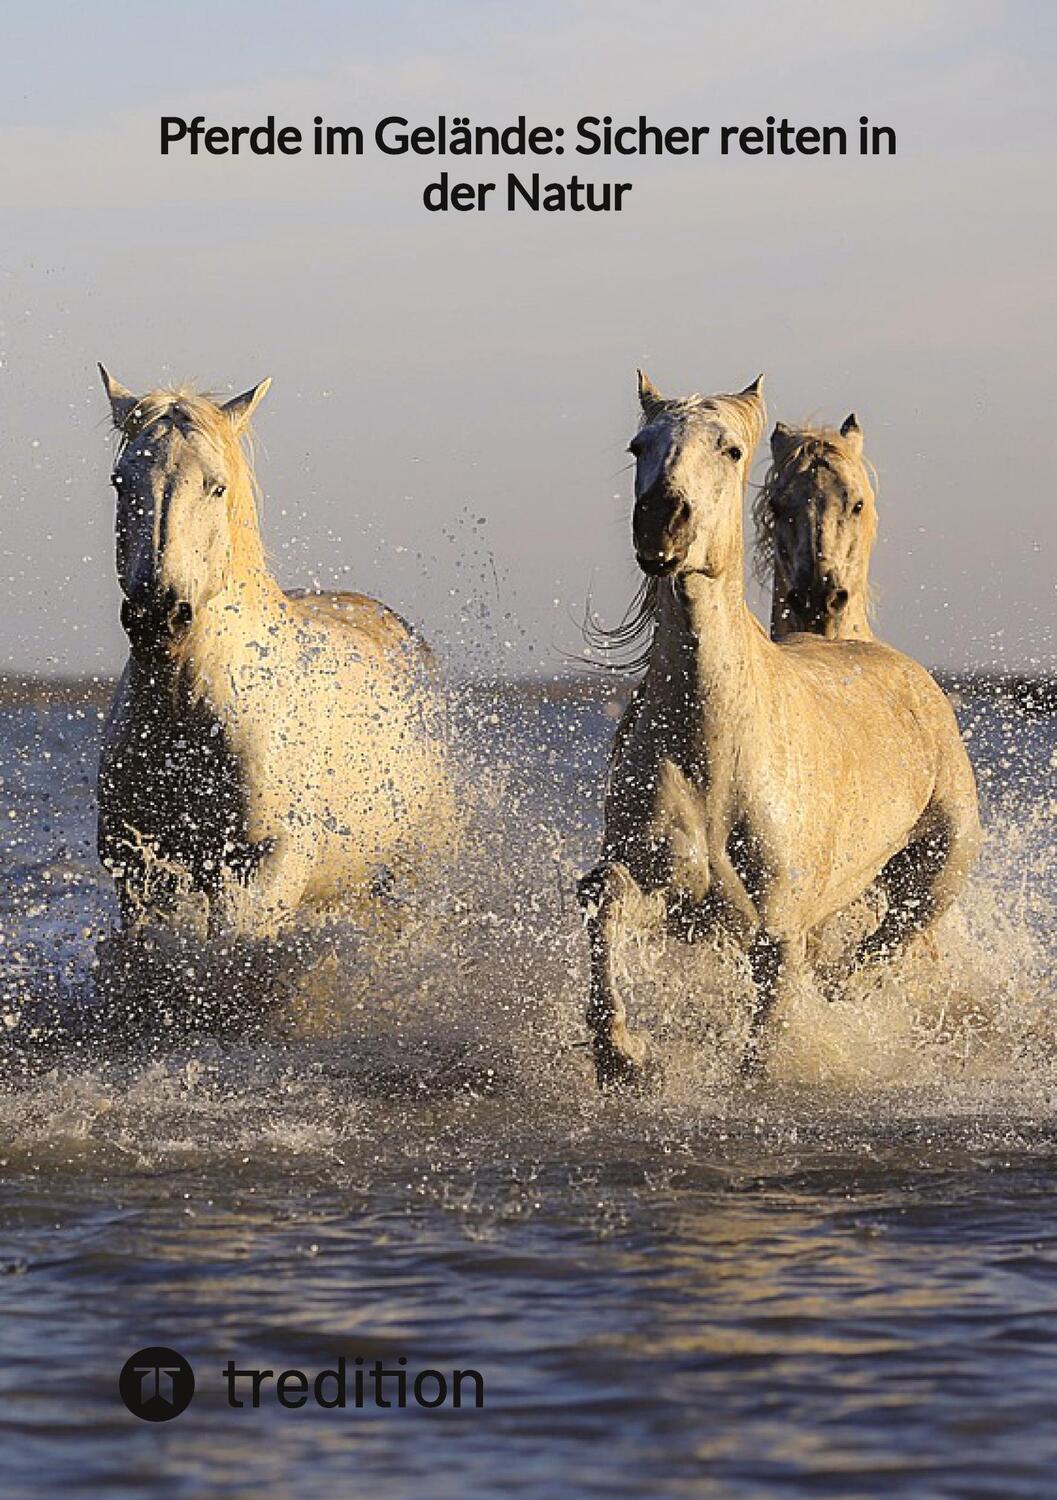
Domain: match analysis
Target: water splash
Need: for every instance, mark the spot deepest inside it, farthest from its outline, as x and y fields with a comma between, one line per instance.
x=470, y=994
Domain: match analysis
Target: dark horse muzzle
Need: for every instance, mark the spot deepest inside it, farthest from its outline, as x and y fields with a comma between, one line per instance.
x=660, y=531
x=819, y=606
x=155, y=623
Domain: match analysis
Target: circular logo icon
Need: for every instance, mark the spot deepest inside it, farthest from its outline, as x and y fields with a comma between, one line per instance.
x=156, y=1384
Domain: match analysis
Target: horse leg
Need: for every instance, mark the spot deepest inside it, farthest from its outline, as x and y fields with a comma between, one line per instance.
x=773, y=962
x=607, y=894
x=921, y=882
x=255, y=903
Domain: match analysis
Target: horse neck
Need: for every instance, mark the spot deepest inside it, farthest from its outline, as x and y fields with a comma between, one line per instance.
x=248, y=562
x=706, y=642
x=248, y=587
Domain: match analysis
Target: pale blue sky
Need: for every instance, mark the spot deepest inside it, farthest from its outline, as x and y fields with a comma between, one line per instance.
x=432, y=371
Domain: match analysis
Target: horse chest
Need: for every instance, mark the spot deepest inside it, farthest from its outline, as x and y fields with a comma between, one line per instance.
x=663, y=757
x=660, y=806
x=173, y=782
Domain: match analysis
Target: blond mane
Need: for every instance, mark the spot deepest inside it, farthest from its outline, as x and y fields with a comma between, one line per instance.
x=746, y=415
x=199, y=411
x=809, y=442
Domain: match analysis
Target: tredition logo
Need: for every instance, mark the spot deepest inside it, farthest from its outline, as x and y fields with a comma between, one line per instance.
x=156, y=1384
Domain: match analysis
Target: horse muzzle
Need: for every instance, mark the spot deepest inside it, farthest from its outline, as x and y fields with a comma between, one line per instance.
x=657, y=564
x=156, y=622
x=818, y=608
x=660, y=532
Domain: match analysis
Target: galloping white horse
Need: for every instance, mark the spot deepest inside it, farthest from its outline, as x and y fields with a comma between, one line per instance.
x=264, y=750
x=816, y=523
x=757, y=785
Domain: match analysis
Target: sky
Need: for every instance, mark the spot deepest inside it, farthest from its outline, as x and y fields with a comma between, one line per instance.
x=452, y=394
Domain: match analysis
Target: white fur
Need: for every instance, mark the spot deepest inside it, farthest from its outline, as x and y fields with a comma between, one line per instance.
x=756, y=786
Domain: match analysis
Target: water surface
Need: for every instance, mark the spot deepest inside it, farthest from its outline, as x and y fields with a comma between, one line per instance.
x=842, y=1281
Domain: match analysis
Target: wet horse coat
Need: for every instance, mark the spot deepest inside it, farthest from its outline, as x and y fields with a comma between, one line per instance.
x=265, y=751
x=754, y=785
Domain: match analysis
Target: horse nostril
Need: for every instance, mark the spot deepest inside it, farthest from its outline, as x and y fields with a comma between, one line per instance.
x=184, y=612
x=836, y=600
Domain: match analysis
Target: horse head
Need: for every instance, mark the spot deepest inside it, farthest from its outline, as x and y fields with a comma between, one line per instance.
x=817, y=521
x=185, y=515
x=692, y=458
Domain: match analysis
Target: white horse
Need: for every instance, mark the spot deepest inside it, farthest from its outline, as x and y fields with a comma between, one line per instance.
x=755, y=785
x=816, y=524
x=265, y=751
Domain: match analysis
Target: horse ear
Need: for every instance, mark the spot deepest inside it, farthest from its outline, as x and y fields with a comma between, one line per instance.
x=241, y=408
x=783, y=440
x=754, y=414
x=650, y=398
x=852, y=432
x=122, y=402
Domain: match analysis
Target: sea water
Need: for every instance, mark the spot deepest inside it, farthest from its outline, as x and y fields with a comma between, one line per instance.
x=841, y=1280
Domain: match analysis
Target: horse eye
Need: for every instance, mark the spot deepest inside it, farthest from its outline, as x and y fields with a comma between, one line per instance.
x=116, y=480
x=856, y=509
x=734, y=452
x=219, y=490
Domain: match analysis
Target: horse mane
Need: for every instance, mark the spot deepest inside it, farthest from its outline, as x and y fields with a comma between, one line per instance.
x=635, y=630
x=201, y=412
x=809, y=442
x=746, y=414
